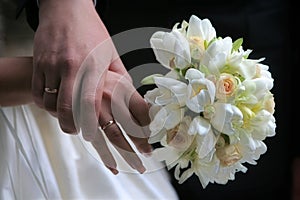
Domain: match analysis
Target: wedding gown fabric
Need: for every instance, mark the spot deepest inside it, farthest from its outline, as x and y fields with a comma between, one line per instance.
x=38, y=161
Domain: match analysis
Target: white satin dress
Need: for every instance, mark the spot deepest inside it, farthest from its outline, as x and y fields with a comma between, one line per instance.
x=39, y=161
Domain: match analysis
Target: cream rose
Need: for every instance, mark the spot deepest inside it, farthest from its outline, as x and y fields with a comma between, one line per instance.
x=228, y=154
x=226, y=86
x=269, y=105
x=178, y=137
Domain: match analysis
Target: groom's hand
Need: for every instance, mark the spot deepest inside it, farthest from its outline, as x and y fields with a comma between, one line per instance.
x=68, y=31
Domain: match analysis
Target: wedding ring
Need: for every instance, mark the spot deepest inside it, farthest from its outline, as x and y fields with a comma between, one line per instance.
x=109, y=123
x=51, y=91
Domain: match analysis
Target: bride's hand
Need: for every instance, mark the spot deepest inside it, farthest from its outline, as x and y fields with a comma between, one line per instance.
x=98, y=100
x=122, y=104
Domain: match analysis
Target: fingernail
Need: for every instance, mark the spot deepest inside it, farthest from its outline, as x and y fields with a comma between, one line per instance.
x=145, y=149
x=114, y=171
x=141, y=169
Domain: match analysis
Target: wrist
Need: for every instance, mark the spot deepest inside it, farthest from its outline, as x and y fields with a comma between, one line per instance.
x=57, y=10
x=38, y=2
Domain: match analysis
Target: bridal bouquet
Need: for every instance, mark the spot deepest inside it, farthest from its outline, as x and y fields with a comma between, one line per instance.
x=213, y=110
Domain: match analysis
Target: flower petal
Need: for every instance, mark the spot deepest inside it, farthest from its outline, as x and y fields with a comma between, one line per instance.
x=226, y=115
x=201, y=28
x=200, y=126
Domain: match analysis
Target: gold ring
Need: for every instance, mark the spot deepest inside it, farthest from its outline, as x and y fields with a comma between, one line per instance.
x=109, y=123
x=51, y=91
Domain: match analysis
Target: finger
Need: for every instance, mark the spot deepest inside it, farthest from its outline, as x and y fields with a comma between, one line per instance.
x=137, y=133
x=132, y=122
x=90, y=101
x=106, y=156
x=54, y=114
x=140, y=115
x=38, y=85
x=116, y=62
x=51, y=92
x=136, y=99
x=116, y=137
x=140, y=112
x=91, y=76
x=138, y=107
x=118, y=67
x=64, y=105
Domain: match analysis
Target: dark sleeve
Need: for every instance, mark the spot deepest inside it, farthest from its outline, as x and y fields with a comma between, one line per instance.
x=32, y=14
x=32, y=11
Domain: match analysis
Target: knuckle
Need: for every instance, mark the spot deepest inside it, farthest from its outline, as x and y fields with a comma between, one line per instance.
x=107, y=93
x=69, y=64
x=88, y=101
x=45, y=61
x=64, y=109
x=114, y=134
x=89, y=98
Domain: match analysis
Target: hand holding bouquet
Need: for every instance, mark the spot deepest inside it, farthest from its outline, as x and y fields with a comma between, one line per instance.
x=213, y=110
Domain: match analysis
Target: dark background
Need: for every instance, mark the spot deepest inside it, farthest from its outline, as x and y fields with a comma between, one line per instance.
x=265, y=27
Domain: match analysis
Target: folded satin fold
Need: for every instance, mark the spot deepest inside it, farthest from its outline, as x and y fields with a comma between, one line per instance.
x=39, y=161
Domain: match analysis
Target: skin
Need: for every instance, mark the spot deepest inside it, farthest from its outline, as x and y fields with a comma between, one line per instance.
x=62, y=41
x=15, y=89
x=15, y=81
x=73, y=53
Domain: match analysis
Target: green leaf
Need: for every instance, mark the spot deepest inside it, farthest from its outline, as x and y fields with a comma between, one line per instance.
x=149, y=80
x=237, y=44
x=206, y=45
